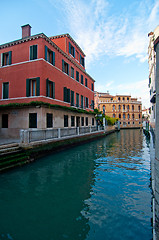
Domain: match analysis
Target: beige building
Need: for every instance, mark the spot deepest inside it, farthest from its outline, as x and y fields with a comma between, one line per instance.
x=128, y=110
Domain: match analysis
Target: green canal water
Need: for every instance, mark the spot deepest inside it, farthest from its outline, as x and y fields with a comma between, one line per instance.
x=96, y=191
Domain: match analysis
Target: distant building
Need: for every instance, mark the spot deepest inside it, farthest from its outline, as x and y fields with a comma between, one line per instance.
x=128, y=110
x=146, y=114
x=36, y=71
x=152, y=73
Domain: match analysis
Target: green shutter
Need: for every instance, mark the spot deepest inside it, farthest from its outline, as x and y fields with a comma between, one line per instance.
x=35, y=55
x=46, y=52
x=47, y=85
x=53, y=90
x=31, y=52
x=53, y=59
x=37, y=86
x=65, y=94
x=74, y=52
x=10, y=57
x=72, y=98
x=5, y=90
x=68, y=95
x=63, y=66
x=69, y=47
x=27, y=87
x=68, y=68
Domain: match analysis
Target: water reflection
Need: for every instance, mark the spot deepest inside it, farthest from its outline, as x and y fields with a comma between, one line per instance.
x=95, y=191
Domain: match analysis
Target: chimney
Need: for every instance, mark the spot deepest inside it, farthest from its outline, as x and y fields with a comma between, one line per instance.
x=26, y=31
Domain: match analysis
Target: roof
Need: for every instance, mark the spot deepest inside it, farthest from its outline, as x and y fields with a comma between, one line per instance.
x=68, y=35
x=42, y=35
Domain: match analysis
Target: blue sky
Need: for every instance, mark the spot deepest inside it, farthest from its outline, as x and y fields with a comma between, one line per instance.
x=113, y=34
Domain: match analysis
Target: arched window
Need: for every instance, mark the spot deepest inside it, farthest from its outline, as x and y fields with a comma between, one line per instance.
x=119, y=115
x=139, y=108
x=133, y=107
x=123, y=115
x=132, y=116
x=128, y=116
x=113, y=107
x=123, y=107
x=119, y=107
x=113, y=115
x=128, y=107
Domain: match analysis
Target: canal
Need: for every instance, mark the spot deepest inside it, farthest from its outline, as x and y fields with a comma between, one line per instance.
x=95, y=191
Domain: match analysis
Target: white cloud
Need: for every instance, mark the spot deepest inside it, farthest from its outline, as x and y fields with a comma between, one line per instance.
x=99, y=33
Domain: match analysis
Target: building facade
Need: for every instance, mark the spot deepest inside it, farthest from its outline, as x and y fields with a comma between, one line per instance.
x=42, y=82
x=126, y=109
x=152, y=74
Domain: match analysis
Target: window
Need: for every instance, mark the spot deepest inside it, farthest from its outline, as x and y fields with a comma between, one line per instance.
x=119, y=98
x=71, y=50
x=49, y=120
x=132, y=116
x=5, y=90
x=128, y=116
x=103, y=109
x=123, y=115
x=81, y=101
x=65, y=120
x=119, y=107
x=82, y=60
x=6, y=58
x=113, y=107
x=82, y=121
x=72, y=72
x=113, y=115
x=33, y=87
x=128, y=107
x=77, y=100
x=65, y=67
x=72, y=98
x=123, y=98
x=92, y=121
x=33, y=52
x=139, y=108
x=128, y=98
x=133, y=107
x=86, y=121
x=32, y=120
x=72, y=121
x=86, y=82
x=77, y=76
x=123, y=107
x=49, y=56
x=92, y=87
x=119, y=115
x=4, y=120
x=50, y=88
x=92, y=104
x=82, y=79
x=66, y=95
x=139, y=116
x=86, y=102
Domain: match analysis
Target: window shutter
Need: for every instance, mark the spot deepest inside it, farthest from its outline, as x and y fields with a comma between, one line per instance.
x=53, y=59
x=37, y=86
x=35, y=52
x=31, y=52
x=10, y=57
x=72, y=98
x=46, y=52
x=27, y=87
x=63, y=66
x=53, y=90
x=69, y=47
x=74, y=52
x=68, y=95
x=2, y=59
x=65, y=94
x=68, y=68
x=47, y=86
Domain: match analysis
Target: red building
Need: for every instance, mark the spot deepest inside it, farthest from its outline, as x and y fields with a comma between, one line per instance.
x=35, y=70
